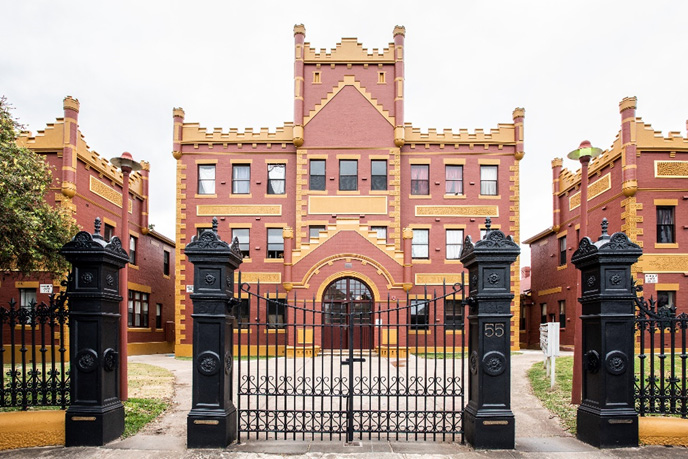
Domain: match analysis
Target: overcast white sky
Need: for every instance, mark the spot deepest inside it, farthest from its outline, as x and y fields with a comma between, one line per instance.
x=230, y=64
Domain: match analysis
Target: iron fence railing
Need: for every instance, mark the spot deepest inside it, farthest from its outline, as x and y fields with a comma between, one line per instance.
x=33, y=354
x=660, y=379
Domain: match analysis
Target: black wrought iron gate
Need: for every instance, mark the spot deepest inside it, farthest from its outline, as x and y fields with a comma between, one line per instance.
x=345, y=367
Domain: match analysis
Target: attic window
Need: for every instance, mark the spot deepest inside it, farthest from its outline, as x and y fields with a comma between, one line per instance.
x=381, y=78
x=316, y=78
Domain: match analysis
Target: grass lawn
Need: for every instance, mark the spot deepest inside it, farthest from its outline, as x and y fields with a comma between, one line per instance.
x=150, y=393
x=556, y=399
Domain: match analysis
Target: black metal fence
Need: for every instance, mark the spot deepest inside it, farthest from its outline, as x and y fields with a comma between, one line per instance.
x=347, y=367
x=660, y=381
x=33, y=356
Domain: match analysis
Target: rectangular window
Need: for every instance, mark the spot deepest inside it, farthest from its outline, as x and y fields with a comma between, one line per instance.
x=206, y=179
x=138, y=309
x=27, y=300
x=453, y=180
x=419, y=314
x=562, y=251
x=420, y=243
x=665, y=225
x=543, y=313
x=317, y=175
x=488, y=180
x=666, y=299
x=241, y=179
x=348, y=174
x=420, y=179
x=454, y=243
x=242, y=314
x=277, y=174
x=378, y=174
x=166, y=263
x=158, y=315
x=562, y=314
x=381, y=232
x=276, y=310
x=109, y=232
x=132, y=249
x=242, y=234
x=453, y=314
x=275, y=243
x=522, y=319
x=314, y=231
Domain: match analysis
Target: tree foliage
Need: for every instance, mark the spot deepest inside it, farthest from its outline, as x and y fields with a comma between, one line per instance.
x=31, y=230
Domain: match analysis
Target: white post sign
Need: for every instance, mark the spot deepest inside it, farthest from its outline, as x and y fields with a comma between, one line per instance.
x=549, y=343
x=46, y=288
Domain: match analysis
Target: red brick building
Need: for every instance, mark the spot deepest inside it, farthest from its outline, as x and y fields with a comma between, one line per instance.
x=640, y=184
x=89, y=186
x=348, y=196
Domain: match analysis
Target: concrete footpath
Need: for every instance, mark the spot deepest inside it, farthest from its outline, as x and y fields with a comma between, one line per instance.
x=538, y=433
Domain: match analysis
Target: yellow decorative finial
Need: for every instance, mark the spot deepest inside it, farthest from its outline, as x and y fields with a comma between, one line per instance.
x=399, y=30
x=178, y=111
x=628, y=102
x=518, y=113
x=70, y=103
x=557, y=162
x=299, y=28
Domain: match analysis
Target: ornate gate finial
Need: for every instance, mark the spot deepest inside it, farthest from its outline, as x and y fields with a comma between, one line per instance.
x=96, y=226
x=605, y=225
x=488, y=225
x=215, y=225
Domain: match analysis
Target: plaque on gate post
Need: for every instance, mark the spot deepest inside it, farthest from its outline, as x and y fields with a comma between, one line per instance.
x=212, y=421
x=96, y=414
x=606, y=415
x=488, y=421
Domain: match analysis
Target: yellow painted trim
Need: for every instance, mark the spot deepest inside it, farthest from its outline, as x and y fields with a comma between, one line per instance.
x=240, y=161
x=671, y=169
x=276, y=161
x=457, y=211
x=420, y=332
x=489, y=162
x=559, y=268
x=239, y=210
x=206, y=161
x=139, y=287
x=134, y=233
x=28, y=429
x=205, y=196
x=419, y=161
x=666, y=202
x=26, y=284
x=672, y=245
x=110, y=222
x=454, y=226
x=659, y=287
x=549, y=291
x=347, y=156
x=489, y=196
x=150, y=347
x=454, y=161
x=183, y=350
x=655, y=430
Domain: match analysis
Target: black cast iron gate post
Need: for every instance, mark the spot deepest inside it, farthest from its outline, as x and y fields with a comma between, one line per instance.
x=488, y=421
x=212, y=421
x=606, y=416
x=96, y=414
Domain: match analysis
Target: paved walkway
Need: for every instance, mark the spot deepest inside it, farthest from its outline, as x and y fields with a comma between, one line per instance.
x=538, y=433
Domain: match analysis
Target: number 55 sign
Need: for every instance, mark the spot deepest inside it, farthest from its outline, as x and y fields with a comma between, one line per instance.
x=494, y=329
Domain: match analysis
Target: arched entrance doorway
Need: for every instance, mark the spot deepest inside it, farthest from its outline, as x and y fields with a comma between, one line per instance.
x=347, y=303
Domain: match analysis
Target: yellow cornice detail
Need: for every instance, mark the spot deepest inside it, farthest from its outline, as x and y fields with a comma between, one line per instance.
x=193, y=133
x=51, y=139
x=348, y=51
x=318, y=266
x=349, y=80
x=504, y=135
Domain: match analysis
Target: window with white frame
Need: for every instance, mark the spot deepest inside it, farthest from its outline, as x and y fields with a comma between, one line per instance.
x=241, y=179
x=454, y=243
x=206, y=179
x=275, y=243
x=277, y=174
x=453, y=180
x=420, y=243
x=242, y=234
x=488, y=181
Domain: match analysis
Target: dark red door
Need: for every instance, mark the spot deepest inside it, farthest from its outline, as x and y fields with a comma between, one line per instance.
x=347, y=302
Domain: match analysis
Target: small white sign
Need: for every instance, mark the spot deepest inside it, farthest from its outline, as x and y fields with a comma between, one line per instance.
x=189, y=289
x=651, y=278
x=46, y=288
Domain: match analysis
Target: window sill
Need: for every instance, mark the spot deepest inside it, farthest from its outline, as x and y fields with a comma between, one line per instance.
x=245, y=331
x=670, y=245
x=486, y=196
x=452, y=262
x=273, y=331
x=454, y=196
x=420, y=196
x=420, y=332
x=453, y=332
x=562, y=267
x=349, y=192
x=205, y=196
x=240, y=195
x=314, y=192
x=133, y=266
x=420, y=261
x=165, y=276
x=274, y=260
x=139, y=329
